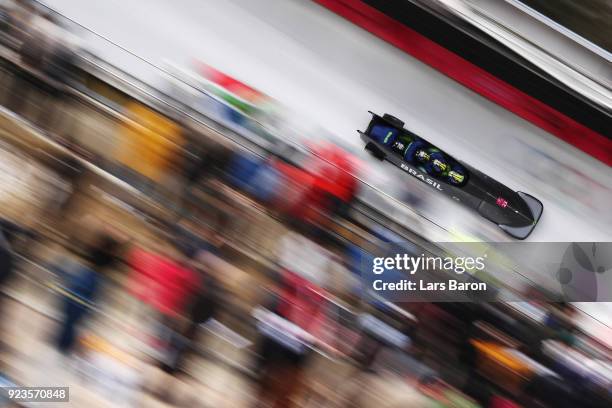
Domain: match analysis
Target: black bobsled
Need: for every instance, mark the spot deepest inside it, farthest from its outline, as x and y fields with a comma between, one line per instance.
x=515, y=212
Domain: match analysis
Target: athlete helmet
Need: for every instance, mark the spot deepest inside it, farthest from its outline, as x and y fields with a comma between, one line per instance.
x=421, y=156
x=439, y=166
x=454, y=177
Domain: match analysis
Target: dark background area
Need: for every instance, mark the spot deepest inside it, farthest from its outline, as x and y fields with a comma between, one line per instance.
x=591, y=19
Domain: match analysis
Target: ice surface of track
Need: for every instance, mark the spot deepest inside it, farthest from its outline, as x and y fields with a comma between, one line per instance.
x=334, y=72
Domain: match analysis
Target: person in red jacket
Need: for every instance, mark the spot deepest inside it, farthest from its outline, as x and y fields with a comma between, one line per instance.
x=164, y=281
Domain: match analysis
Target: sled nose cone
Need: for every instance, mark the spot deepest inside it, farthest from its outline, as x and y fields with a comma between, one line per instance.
x=535, y=207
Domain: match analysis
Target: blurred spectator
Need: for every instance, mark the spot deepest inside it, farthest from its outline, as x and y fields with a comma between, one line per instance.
x=282, y=355
x=550, y=391
x=49, y=49
x=72, y=172
x=561, y=323
x=19, y=14
x=304, y=257
x=81, y=283
x=335, y=186
x=192, y=239
x=9, y=233
x=501, y=402
x=162, y=279
x=149, y=146
x=165, y=281
x=5, y=18
x=32, y=44
x=202, y=164
x=300, y=305
x=321, y=187
x=254, y=175
x=192, y=165
x=60, y=66
x=13, y=238
x=38, y=42
x=204, y=305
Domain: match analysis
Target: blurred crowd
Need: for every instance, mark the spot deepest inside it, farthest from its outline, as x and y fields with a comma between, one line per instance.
x=142, y=263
